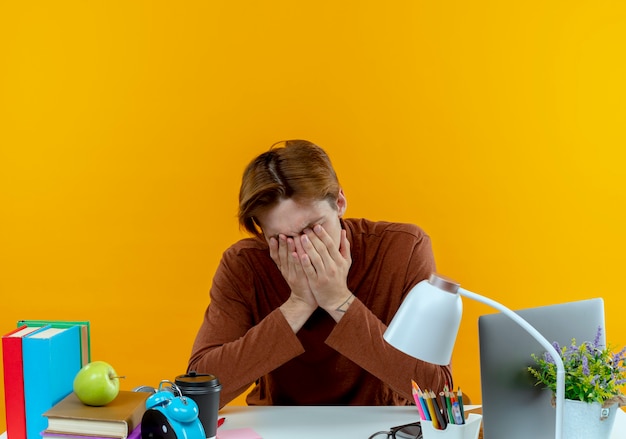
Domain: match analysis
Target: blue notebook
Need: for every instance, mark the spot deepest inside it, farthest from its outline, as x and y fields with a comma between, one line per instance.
x=51, y=360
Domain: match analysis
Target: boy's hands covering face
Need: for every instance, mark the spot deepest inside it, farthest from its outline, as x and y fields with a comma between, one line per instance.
x=324, y=265
x=315, y=268
x=283, y=253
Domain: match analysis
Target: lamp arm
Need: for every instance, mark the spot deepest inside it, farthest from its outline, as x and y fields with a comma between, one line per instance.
x=560, y=368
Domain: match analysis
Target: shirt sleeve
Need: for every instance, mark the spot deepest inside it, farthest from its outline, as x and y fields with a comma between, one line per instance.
x=359, y=334
x=379, y=358
x=231, y=346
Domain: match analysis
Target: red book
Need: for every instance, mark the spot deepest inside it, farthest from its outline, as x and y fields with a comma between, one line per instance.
x=14, y=381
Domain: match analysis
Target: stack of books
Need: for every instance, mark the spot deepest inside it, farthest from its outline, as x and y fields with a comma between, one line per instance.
x=40, y=359
x=119, y=419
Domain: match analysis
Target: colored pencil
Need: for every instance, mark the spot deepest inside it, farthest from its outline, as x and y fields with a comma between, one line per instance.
x=460, y=399
x=416, y=397
x=438, y=412
x=431, y=410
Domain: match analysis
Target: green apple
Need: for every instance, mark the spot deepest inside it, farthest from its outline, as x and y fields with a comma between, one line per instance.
x=97, y=383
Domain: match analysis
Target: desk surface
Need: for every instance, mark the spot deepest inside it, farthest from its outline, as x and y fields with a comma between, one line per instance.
x=344, y=422
x=282, y=422
x=340, y=422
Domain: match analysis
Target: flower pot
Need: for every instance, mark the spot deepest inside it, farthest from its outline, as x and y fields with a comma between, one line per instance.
x=587, y=420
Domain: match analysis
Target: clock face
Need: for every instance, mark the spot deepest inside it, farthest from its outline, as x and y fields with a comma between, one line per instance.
x=155, y=425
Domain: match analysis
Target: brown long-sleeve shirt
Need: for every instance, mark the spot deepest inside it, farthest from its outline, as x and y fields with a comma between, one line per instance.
x=244, y=337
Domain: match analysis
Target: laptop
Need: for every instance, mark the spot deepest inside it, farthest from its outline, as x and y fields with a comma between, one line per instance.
x=513, y=407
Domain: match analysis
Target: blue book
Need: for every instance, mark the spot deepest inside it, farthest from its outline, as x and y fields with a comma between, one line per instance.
x=85, y=332
x=51, y=360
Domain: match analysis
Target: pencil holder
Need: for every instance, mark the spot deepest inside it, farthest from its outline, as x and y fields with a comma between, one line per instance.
x=469, y=430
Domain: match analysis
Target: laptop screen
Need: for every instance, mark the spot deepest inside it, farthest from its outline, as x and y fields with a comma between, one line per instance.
x=513, y=407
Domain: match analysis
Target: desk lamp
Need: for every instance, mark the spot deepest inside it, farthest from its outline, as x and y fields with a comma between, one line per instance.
x=427, y=322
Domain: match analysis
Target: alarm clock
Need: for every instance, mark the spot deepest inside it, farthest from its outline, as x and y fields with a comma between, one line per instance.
x=171, y=415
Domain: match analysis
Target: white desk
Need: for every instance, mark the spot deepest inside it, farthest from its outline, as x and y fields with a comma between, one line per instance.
x=317, y=422
x=342, y=422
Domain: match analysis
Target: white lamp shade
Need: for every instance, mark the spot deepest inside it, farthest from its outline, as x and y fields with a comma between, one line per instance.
x=426, y=324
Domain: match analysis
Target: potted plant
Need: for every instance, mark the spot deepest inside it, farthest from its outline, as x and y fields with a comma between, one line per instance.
x=594, y=379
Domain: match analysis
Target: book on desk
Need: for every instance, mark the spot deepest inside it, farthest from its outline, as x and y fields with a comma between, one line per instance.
x=84, y=328
x=40, y=359
x=51, y=360
x=117, y=419
x=135, y=434
x=14, y=381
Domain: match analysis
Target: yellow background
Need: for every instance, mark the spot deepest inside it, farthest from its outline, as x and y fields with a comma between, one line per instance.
x=124, y=127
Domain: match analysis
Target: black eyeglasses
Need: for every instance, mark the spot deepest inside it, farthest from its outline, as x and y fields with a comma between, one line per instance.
x=406, y=431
